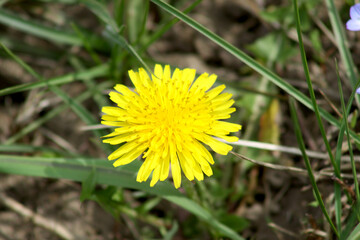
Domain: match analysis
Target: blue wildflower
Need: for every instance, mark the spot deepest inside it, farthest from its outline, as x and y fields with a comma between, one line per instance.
x=354, y=23
x=358, y=90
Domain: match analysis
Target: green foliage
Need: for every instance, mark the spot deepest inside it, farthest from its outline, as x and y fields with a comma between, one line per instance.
x=260, y=48
x=88, y=186
x=235, y=222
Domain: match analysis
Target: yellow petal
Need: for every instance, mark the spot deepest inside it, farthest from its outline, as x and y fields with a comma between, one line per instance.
x=146, y=169
x=111, y=135
x=217, y=146
x=175, y=166
x=223, y=114
x=124, y=90
x=229, y=138
x=129, y=157
x=127, y=147
x=144, y=78
x=187, y=169
x=109, y=118
x=127, y=137
x=201, y=150
x=224, y=105
x=167, y=74
x=204, y=81
x=155, y=176
x=164, y=168
x=111, y=123
x=194, y=165
x=158, y=72
x=230, y=127
x=222, y=98
x=210, y=95
x=118, y=99
x=114, y=111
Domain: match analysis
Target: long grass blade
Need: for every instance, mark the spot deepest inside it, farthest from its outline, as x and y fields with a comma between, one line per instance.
x=121, y=41
x=338, y=28
x=101, y=12
x=337, y=188
x=75, y=106
x=24, y=148
x=308, y=166
x=353, y=166
x=78, y=169
x=355, y=234
x=31, y=27
x=97, y=71
x=45, y=118
x=310, y=87
x=163, y=29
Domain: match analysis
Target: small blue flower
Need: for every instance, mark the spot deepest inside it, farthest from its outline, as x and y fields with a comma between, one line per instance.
x=358, y=90
x=354, y=23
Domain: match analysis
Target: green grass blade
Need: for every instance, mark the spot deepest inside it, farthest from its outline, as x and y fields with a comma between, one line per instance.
x=251, y=63
x=101, y=12
x=112, y=30
x=308, y=165
x=41, y=120
x=352, y=161
x=78, y=109
x=31, y=27
x=121, y=41
x=338, y=207
x=355, y=234
x=137, y=13
x=22, y=63
x=83, y=114
x=97, y=71
x=75, y=106
x=78, y=169
x=163, y=29
x=118, y=12
x=90, y=83
x=52, y=113
x=87, y=44
x=24, y=148
x=338, y=28
x=18, y=45
x=311, y=90
x=337, y=188
x=350, y=231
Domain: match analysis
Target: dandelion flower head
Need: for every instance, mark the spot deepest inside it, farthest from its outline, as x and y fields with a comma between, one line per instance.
x=167, y=119
x=354, y=23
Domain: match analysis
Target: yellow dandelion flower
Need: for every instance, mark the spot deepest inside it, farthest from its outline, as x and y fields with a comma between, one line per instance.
x=168, y=119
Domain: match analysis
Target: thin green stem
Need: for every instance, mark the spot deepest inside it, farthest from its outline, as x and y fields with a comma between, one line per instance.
x=338, y=28
x=36, y=29
x=97, y=71
x=311, y=90
x=308, y=165
x=353, y=166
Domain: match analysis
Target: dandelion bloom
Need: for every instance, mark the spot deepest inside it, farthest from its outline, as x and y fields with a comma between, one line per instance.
x=168, y=119
x=354, y=23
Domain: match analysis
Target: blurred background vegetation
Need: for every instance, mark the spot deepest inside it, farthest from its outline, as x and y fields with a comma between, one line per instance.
x=60, y=58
